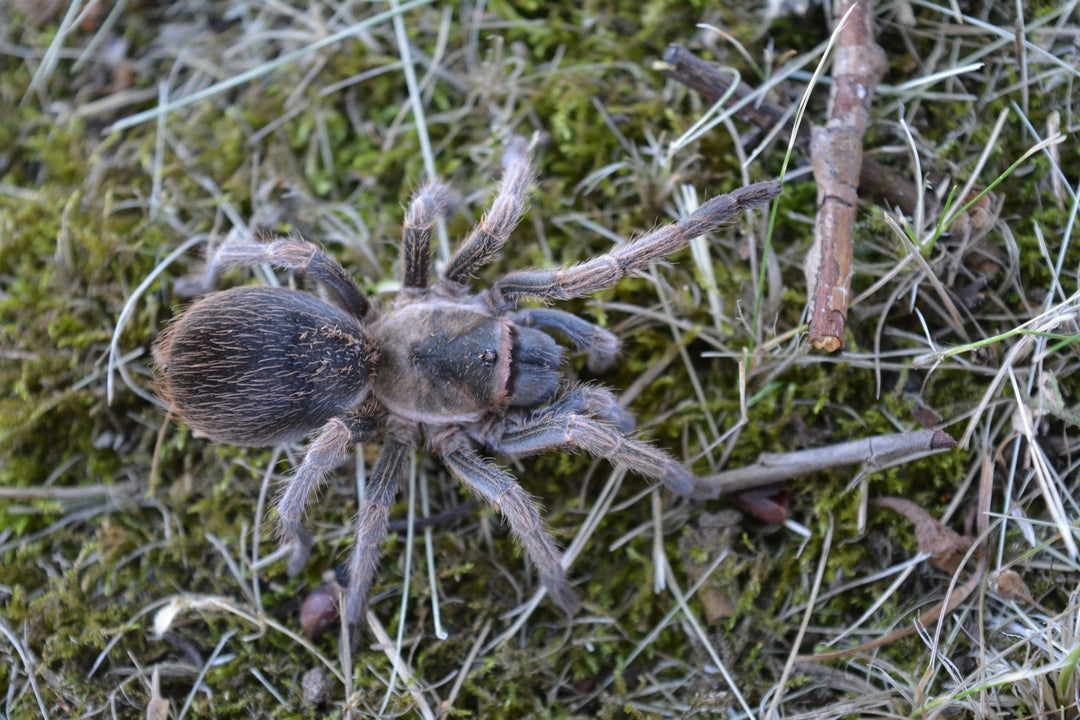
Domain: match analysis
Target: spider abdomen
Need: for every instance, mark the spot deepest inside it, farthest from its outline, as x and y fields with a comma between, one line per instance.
x=262, y=366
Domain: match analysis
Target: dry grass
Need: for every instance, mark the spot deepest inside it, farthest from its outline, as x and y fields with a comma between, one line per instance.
x=138, y=577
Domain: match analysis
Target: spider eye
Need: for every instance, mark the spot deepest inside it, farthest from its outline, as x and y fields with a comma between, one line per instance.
x=534, y=367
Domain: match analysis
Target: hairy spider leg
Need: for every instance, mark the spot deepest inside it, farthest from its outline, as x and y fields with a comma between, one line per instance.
x=430, y=202
x=592, y=400
x=603, y=271
x=487, y=238
x=563, y=425
x=293, y=254
x=501, y=490
x=371, y=524
x=599, y=345
x=324, y=453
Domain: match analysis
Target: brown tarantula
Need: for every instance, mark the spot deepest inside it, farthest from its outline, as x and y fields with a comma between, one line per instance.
x=462, y=373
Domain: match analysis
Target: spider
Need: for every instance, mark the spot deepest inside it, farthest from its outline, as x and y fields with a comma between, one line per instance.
x=464, y=374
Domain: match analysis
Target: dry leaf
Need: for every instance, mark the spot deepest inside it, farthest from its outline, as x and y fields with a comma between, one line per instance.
x=1009, y=585
x=946, y=547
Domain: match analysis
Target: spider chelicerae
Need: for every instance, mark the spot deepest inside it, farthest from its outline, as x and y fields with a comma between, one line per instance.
x=462, y=373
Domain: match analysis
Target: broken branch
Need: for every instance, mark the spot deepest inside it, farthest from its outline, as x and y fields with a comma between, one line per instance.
x=712, y=83
x=836, y=153
x=881, y=451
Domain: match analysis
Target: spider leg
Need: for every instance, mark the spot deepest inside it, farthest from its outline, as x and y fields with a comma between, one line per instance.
x=288, y=254
x=371, y=523
x=428, y=203
x=598, y=344
x=495, y=227
x=501, y=490
x=323, y=454
x=563, y=426
x=605, y=270
x=591, y=400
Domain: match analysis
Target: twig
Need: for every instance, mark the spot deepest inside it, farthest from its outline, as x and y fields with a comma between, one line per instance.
x=836, y=152
x=711, y=83
x=880, y=451
x=446, y=516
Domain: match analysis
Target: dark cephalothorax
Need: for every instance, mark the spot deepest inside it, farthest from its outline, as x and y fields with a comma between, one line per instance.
x=459, y=372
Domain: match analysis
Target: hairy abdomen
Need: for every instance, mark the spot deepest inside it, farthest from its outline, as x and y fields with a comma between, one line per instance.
x=262, y=366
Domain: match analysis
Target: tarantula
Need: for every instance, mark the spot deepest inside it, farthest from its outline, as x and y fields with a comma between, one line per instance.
x=462, y=373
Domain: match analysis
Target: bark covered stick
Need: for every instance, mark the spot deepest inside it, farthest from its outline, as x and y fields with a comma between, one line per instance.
x=836, y=152
x=878, y=452
x=709, y=80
